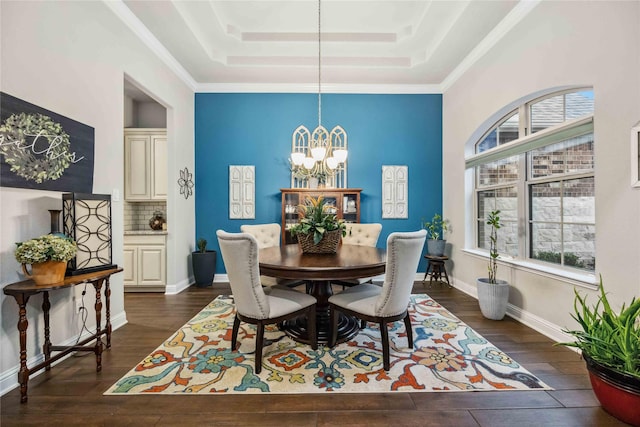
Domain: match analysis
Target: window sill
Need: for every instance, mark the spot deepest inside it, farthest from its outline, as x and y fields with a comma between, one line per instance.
x=586, y=280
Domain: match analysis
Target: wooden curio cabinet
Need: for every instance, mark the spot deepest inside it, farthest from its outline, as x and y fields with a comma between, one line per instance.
x=345, y=201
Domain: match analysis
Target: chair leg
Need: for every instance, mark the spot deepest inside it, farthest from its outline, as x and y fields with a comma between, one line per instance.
x=234, y=333
x=407, y=326
x=259, y=344
x=311, y=327
x=333, y=326
x=363, y=323
x=384, y=335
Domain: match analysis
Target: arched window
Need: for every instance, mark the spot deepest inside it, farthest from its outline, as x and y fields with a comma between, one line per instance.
x=536, y=166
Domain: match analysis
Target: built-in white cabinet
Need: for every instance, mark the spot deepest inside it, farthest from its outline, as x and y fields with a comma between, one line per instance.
x=145, y=262
x=145, y=164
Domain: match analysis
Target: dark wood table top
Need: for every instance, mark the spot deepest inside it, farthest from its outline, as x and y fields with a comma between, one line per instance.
x=349, y=262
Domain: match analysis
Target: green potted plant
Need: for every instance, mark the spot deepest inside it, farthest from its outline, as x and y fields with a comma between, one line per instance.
x=436, y=228
x=203, y=262
x=319, y=230
x=48, y=256
x=610, y=346
x=493, y=293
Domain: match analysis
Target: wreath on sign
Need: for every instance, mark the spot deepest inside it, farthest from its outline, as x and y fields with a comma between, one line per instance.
x=22, y=143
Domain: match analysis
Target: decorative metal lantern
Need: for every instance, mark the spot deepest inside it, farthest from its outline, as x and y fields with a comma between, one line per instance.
x=87, y=220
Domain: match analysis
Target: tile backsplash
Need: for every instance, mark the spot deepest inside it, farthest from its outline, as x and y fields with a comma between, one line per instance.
x=138, y=214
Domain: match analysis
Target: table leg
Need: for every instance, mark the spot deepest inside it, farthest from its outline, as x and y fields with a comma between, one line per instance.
x=348, y=326
x=46, y=348
x=23, y=324
x=98, y=308
x=107, y=301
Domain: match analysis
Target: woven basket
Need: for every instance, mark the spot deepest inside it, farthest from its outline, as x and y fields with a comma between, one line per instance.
x=328, y=244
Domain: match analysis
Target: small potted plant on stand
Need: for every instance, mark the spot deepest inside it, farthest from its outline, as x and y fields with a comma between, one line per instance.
x=610, y=345
x=204, y=264
x=493, y=294
x=48, y=256
x=436, y=228
x=319, y=231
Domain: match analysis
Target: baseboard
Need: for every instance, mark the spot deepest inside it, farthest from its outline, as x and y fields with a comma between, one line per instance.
x=536, y=323
x=177, y=287
x=9, y=378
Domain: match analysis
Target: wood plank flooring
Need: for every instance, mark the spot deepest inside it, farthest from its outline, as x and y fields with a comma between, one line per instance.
x=71, y=393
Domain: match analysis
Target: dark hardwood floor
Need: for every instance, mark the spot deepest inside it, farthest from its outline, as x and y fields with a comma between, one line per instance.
x=71, y=393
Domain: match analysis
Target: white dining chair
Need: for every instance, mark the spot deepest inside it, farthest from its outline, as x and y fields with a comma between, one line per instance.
x=257, y=305
x=360, y=234
x=390, y=302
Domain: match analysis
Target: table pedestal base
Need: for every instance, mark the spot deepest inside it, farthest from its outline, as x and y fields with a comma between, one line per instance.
x=348, y=326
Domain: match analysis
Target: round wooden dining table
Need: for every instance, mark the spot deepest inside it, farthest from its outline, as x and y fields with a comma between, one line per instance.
x=319, y=270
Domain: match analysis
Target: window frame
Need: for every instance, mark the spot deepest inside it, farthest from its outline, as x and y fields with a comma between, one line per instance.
x=521, y=146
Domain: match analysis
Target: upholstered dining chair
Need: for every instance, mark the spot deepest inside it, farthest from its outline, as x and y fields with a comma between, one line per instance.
x=360, y=234
x=257, y=305
x=390, y=302
x=268, y=236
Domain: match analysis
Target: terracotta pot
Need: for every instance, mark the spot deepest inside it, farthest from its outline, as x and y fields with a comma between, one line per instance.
x=617, y=392
x=46, y=273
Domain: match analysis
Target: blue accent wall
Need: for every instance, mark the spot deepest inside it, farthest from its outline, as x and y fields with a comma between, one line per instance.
x=255, y=129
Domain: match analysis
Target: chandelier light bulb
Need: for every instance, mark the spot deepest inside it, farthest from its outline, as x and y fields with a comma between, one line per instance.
x=318, y=153
x=332, y=162
x=340, y=155
x=297, y=158
x=309, y=162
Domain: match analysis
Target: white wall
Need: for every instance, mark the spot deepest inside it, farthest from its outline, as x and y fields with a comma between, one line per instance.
x=559, y=43
x=71, y=58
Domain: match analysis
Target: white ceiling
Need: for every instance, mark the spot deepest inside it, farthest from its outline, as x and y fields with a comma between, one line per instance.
x=217, y=44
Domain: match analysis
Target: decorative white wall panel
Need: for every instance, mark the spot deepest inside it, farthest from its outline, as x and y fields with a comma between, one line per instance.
x=395, y=192
x=242, y=192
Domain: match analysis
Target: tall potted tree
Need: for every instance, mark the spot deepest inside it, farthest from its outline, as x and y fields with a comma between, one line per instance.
x=610, y=345
x=203, y=262
x=493, y=293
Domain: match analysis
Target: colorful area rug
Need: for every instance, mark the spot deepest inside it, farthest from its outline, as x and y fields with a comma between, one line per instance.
x=447, y=356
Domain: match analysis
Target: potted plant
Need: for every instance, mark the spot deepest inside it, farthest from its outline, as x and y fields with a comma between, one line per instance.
x=48, y=256
x=436, y=228
x=493, y=293
x=610, y=346
x=319, y=230
x=204, y=264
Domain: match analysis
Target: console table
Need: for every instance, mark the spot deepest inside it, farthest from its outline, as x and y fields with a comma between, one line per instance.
x=22, y=291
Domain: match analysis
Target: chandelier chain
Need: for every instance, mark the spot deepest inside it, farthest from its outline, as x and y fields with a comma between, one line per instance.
x=319, y=68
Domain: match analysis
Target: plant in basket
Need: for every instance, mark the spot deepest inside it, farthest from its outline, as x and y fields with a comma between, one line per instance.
x=319, y=230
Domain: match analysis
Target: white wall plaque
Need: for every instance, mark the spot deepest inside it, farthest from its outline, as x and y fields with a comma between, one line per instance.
x=395, y=191
x=242, y=192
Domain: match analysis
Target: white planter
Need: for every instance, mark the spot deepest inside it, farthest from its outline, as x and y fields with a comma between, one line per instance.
x=493, y=298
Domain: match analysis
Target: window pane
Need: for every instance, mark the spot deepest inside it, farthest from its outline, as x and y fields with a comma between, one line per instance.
x=545, y=242
x=579, y=246
x=498, y=172
x=558, y=109
x=572, y=155
x=578, y=205
x=545, y=202
x=507, y=131
x=506, y=200
x=578, y=104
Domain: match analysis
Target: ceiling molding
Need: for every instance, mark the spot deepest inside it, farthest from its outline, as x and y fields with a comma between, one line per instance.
x=124, y=13
x=516, y=14
x=313, y=88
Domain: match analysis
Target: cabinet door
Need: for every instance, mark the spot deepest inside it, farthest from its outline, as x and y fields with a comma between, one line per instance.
x=151, y=265
x=130, y=265
x=137, y=167
x=159, y=167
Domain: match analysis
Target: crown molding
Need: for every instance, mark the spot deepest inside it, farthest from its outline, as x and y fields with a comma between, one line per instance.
x=124, y=13
x=313, y=88
x=516, y=14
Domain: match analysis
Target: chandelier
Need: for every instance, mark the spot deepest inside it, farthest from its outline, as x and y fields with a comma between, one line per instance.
x=320, y=154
